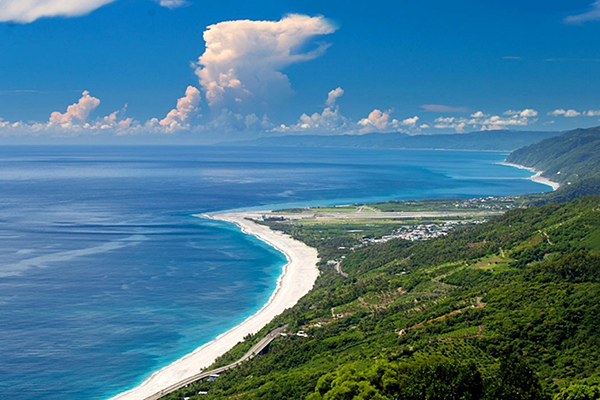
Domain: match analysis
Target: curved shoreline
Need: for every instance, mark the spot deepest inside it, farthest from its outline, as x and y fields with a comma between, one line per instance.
x=537, y=177
x=298, y=277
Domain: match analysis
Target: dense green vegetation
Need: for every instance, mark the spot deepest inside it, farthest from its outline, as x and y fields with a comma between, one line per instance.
x=575, y=190
x=503, y=310
x=430, y=378
x=566, y=159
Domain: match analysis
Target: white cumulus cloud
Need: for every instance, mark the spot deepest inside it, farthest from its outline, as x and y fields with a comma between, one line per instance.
x=496, y=122
x=243, y=59
x=382, y=121
x=592, y=113
x=77, y=112
x=112, y=122
x=483, y=121
x=410, y=121
x=458, y=124
x=333, y=95
x=329, y=120
x=528, y=112
x=565, y=113
x=376, y=118
x=187, y=106
x=74, y=122
x=24, y=11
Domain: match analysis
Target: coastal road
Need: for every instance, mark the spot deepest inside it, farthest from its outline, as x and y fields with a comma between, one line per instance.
x=256, y=349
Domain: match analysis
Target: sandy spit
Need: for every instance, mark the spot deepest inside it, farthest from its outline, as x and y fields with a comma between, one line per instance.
x=537, y=177
x=297, y=279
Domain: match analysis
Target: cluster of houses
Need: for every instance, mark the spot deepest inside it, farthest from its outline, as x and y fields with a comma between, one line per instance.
x=488, y=203
x=419, y=232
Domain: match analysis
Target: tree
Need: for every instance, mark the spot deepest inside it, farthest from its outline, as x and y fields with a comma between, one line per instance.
x=515, y=381
x=579, y=392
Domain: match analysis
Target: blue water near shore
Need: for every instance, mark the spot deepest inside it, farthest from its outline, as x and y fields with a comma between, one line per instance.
x=106, y=275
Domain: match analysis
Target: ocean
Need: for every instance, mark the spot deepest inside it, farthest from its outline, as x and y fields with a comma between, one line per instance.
x=106, y=275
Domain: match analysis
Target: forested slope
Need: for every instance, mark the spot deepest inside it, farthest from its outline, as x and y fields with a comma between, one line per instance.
x=565, y=159
x=503, y=310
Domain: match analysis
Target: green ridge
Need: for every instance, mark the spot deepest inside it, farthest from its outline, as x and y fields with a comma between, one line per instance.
x=518, y=293
x=565, y=159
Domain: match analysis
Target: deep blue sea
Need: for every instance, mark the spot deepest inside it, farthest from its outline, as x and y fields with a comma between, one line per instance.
x=106, y=275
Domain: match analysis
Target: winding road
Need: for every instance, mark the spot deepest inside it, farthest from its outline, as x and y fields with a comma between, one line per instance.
x=256, y=349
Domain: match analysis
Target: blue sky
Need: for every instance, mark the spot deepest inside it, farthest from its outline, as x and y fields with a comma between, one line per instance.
x=189, y=70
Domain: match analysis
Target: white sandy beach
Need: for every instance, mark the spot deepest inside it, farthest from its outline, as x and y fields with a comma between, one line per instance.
x=298, y=278
x=537, y=177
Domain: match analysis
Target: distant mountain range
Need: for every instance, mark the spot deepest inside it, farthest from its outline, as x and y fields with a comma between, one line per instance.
x=489, y=140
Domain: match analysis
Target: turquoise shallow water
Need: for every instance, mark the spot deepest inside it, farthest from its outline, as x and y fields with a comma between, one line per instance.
x=106, y=276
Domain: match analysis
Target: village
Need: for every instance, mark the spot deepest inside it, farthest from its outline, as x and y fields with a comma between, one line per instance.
x=419, y=232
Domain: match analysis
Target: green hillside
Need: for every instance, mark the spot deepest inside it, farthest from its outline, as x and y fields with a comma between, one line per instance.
x=566, y=159
x=503, y=310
